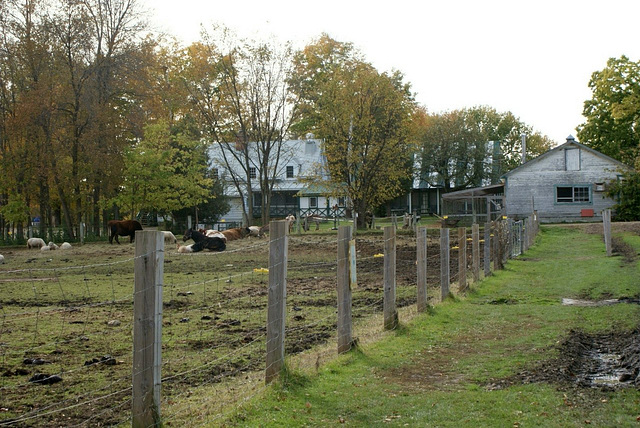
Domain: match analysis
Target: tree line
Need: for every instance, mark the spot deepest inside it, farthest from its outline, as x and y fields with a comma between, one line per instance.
x=101, y=118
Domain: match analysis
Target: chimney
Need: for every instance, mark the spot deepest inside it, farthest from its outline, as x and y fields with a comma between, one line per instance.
x=241, y=141
x=524, y=148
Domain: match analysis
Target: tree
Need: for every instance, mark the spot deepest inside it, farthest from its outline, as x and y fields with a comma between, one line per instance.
x=613, y=113
x=165, y=172
x=247, y=108
x=473, y=146
x=363, y=118
x=627, y=193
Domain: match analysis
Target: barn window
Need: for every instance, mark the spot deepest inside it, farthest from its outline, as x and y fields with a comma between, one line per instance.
x=252, y=172
x=289, y=171
x=573, y=194
x=313, y=202
x=572, y=159
x=341, y=201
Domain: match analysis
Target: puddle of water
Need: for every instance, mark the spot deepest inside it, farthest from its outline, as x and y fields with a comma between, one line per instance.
x=579, y=302
x=608, y=371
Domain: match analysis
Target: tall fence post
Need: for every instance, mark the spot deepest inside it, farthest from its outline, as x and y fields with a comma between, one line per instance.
x=344, y=290
x=421, y=261
x=497, y=246
x=606, y=224
x=277, y=297
x=444, y=263
x=389, y=305
x=475, y=251
x=462, y=259
x=147, y=328
x=487, y=249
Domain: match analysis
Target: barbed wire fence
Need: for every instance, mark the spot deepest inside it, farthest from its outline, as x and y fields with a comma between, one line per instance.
x=67, y=352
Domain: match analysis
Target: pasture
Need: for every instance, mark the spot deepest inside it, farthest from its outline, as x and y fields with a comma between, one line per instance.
x=69, y=314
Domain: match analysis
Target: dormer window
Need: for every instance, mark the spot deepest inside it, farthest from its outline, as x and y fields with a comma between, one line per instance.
x=289, y=171
x=252, y=172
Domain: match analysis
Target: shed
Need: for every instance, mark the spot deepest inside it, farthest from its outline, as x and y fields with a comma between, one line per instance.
x=566, y=184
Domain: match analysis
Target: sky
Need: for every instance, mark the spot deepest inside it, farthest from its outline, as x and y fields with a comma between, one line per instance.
x=532, y=58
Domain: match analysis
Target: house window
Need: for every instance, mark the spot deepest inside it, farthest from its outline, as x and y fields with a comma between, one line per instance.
x=252, y=172
x=290, y=171
x=215, y=173
x=341, y=201
x=573, y=194
x=313, y=202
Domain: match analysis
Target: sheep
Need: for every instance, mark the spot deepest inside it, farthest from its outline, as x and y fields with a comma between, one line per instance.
x=52, y=246
x=1, y=259
x=45, y=248
x=185, y=248
x=35, y=243
x=169, y=237
x=65, y=246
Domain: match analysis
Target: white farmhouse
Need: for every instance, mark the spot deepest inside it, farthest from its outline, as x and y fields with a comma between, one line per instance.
x=299, y=159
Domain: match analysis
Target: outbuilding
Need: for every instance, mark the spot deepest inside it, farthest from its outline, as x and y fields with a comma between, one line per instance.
x=566, y=184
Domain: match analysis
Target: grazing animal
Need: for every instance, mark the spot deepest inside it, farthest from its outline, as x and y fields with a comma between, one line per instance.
x=65, y=246
x=45, y=248
x=256, y=231
x=215, y=234
x=185, y=248
x=290, y=220
x=169, y=237
x=123, y=228
x=311, y=218
x=35, y=243
x=52, y=246
x=236, y=233
x=203, y=242
x=1, y=259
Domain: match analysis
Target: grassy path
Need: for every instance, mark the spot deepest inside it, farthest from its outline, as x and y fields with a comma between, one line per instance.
x=443, y=368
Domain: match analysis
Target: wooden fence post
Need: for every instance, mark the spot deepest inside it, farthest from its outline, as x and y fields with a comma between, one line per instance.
x=421, y=256
x=147, y=328
x=497, y=246
x=277, y=297
x=344, y=290
x=444, y=263
x=389, y=306
x=462, y=259
x=475, y=251
x=606, y=224
x=487, y=249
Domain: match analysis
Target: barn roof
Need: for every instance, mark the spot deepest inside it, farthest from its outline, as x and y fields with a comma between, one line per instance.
x=494, y=189
x=570, y=142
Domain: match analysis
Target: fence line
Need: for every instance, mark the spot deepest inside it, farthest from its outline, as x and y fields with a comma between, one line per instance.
x=213, y=303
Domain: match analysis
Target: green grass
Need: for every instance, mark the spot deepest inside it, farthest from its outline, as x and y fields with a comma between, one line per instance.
x=436, y=370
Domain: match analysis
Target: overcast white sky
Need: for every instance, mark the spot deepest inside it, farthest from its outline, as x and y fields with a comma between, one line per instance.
x=533, y=58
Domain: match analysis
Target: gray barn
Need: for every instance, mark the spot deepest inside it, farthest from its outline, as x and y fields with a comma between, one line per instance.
x=565, y=184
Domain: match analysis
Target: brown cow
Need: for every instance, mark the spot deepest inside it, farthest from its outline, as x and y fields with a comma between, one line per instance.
x=123, y=228
x=236, y=233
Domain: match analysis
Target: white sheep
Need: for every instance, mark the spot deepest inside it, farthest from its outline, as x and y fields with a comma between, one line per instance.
x=290, y=220
x=52, y=246
x=45, y=248
x=65, y=246
x=169, y=237
x=35, y=243
x=185, y=248
x=1, y=259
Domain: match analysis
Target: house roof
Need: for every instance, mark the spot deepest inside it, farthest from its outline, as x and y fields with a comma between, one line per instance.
x=570, y=142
